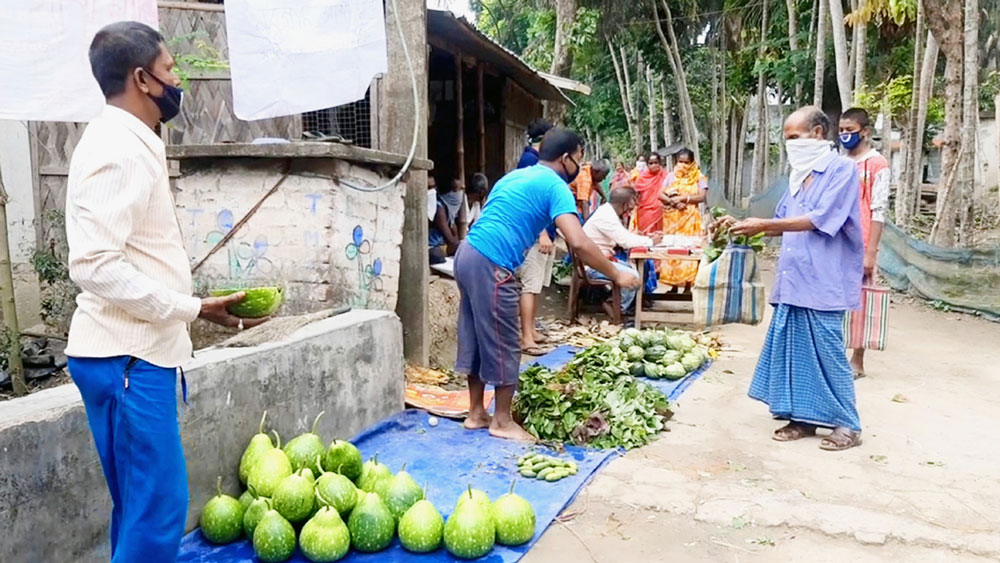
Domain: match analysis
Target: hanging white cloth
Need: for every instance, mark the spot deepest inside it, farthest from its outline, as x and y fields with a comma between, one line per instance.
x=291, y=57
x=44, y=55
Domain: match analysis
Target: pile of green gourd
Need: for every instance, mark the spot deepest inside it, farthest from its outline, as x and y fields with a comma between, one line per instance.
x=545, y=468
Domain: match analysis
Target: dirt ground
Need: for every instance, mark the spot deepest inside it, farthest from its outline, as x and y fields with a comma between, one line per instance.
x=922, y=487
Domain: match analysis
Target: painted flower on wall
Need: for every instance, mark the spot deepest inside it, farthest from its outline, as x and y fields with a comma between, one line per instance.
x=369, y=268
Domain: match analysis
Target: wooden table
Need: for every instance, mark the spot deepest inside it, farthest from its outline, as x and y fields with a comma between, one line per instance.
x=680, y=315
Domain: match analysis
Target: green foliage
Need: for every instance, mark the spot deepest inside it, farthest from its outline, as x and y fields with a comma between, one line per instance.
x=989, y=88
x=203, y=58
x=49, y=267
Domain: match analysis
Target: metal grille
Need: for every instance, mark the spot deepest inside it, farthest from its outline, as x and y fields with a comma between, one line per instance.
x=350, y=123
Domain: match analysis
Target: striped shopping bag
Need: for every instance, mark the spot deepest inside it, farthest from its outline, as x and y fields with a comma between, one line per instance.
x=729, y=289
x=867, y=327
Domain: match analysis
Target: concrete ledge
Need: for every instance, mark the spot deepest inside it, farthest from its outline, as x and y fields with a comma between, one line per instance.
x=54, y=504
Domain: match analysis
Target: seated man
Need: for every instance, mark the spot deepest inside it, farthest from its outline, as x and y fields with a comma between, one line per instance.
x=442, y=211
x=606, y=227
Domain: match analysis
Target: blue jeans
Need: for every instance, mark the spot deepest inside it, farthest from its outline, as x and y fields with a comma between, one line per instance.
x=628, y=294
x=132, y=411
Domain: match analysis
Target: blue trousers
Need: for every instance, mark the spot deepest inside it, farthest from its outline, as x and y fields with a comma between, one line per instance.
x=132, y=412
x=628, y=294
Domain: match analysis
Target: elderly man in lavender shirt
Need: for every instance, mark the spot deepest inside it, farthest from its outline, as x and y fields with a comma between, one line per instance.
x=802, y=373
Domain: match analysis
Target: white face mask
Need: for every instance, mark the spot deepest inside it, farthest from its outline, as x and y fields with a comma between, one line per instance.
x=803, y=155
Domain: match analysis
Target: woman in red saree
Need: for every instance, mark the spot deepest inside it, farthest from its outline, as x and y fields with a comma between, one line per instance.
x=649, y=185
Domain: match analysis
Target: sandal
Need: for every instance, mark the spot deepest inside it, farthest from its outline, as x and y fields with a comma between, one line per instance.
x=793, y=431
x=841, y=439
x=535, y=351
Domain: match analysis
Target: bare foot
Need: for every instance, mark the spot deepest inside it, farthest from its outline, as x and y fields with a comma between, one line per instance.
x=510, y=431
x=477, y=421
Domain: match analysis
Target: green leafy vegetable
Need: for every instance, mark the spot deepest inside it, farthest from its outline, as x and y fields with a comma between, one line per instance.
x=594, y=400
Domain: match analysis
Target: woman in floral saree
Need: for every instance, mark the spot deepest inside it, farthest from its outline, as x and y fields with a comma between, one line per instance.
x=685, y=189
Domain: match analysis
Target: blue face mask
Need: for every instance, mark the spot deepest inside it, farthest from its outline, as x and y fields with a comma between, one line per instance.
x=850, y=140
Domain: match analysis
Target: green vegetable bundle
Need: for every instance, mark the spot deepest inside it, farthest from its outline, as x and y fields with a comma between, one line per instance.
x=592, y=401
x=722, y=238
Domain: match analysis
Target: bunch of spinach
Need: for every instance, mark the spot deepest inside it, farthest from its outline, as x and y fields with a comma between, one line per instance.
x=593, y=401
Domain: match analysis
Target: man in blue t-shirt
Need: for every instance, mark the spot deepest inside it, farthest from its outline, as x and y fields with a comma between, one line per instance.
x=521, y=204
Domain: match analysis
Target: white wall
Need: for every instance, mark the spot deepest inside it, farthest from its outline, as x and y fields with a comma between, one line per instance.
x=15, y=164
x=988, y=158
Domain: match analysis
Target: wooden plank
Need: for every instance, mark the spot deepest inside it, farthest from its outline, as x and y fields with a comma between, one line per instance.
x=460, y=115
x=191, y=6
x=295, y=150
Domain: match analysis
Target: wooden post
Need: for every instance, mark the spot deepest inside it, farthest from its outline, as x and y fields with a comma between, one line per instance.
x=480, y=79
x=7, y=304
x=463, y=220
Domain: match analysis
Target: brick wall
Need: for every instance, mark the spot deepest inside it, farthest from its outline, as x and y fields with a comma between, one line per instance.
x=326, y=243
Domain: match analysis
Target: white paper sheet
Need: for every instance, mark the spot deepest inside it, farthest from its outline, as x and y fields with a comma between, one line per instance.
x=291, y=57
x=43, y=55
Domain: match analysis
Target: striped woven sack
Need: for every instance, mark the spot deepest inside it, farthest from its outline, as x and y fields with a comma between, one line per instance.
x=729, y=289
x=866, y=328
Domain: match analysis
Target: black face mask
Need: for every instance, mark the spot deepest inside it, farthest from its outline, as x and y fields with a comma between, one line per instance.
x=169, y=103
x=571, y=177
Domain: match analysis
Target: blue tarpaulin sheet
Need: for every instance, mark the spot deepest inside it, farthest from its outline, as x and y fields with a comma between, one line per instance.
x=447, y=458
x=558, y=358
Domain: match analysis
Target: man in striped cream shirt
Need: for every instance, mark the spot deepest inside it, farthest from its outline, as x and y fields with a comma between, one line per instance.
x=130, y=330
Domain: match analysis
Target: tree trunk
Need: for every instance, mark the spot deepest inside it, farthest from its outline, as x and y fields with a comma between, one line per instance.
x=8, y=307
x=652, y=110
x=621, y=74
x=640, y=72
x=562, y=54
x=716, y=122
x=913, y=139
x=945, y=20
x=723, y=124
x=970, y=122
x=741, y=153
x=793, y=38
x=853, y=44
x=860, y=47
x=887, y=133
x=669, y=41
x=949, y=198
x=819, y=71
x=840, y=53
x=668, y=124
x=927, y=75
x=760, y=148
x=782, y=160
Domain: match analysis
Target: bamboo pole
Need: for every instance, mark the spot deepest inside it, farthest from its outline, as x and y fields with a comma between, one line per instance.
x=462, y=220
x=481, y=102
x=7, y=303
x=996, y=125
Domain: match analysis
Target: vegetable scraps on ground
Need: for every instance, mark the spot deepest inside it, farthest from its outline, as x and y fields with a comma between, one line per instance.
x=345, y=504
x=598, y=399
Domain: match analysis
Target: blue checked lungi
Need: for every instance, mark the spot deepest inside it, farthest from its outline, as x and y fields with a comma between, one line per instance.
x=803, y=373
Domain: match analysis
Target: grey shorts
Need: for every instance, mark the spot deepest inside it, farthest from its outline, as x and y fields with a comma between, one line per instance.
x=489, y=339
x=536, y=272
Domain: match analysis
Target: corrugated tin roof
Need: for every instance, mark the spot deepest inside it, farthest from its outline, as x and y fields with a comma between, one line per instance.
x=467, y=38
